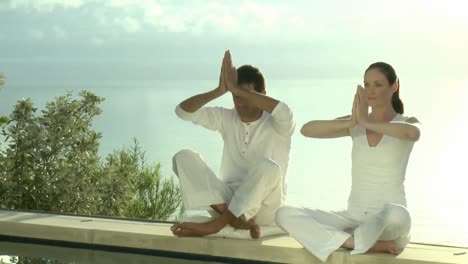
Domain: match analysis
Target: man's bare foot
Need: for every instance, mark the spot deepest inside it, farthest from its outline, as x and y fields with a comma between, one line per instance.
x=255, y=231
x=385, y=247
x=240, y=223
x=175, y=227
x=179, y=230
x=196, y=229
x=219, y=208
x=202, y=229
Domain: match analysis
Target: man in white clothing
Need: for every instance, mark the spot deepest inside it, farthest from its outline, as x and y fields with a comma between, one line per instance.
x=257, y=140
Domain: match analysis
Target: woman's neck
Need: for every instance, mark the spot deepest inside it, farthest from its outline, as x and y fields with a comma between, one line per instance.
x=382, y=114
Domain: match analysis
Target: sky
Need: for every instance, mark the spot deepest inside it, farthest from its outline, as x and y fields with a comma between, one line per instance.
x=147, y=39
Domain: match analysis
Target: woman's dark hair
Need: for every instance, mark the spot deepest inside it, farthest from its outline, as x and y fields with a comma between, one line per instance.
x=251, y=74
x=387, y=70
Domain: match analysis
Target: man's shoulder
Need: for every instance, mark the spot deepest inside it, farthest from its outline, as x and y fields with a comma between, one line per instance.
x=226, y=114
x=219, y=109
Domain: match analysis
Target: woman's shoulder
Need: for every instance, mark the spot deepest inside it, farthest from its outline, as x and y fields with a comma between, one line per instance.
x=409, y=119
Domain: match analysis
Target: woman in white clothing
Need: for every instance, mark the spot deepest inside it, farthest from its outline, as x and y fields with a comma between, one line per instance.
x=376, y=219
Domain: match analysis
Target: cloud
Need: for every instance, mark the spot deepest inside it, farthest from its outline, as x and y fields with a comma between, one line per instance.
x=264, y=22
x=45, y=5
x=129, y=24
x=59, y=32
x=196, y=17
x=241, y=20
x=36, y=34
x=96, y=41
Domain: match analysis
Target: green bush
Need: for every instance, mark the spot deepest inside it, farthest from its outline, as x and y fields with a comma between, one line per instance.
x=2, y=80
x=50, y=162
x=154, y=196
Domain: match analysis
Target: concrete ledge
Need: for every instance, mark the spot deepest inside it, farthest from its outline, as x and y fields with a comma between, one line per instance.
x=157, y=236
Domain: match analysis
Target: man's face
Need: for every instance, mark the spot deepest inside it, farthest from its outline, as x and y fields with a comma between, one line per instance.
x=243, y=107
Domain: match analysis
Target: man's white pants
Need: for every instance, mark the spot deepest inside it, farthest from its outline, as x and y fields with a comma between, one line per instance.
x=258, y=196
x=322, y=232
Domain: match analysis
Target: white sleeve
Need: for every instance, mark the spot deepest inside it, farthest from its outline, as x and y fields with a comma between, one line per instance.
x=208, y=117
x=283, y=119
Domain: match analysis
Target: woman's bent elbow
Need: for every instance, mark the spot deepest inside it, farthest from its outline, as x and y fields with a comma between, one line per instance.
x=304, y=131
x=414, y=134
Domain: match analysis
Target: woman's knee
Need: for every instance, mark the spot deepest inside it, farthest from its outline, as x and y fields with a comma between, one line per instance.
x=284, y=215
x=396, y=215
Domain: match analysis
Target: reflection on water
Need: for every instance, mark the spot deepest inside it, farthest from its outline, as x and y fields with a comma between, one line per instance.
x=27, y=260
x=23, y=253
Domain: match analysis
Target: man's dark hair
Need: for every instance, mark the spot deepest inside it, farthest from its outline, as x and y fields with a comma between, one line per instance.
x=251, y=74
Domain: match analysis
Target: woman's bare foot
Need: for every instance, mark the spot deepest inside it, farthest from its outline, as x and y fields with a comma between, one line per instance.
x=349, y=243
x=379, y=247
x=385, y=247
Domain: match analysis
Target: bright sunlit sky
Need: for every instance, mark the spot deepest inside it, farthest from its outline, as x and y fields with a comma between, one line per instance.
x=144, y=39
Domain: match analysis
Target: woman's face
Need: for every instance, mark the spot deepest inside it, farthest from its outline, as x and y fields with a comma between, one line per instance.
x=377, y=89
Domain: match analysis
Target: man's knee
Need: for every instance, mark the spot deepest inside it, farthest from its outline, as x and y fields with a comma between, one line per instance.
x=269, y=168
x=185, y=154
x=182, y=157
